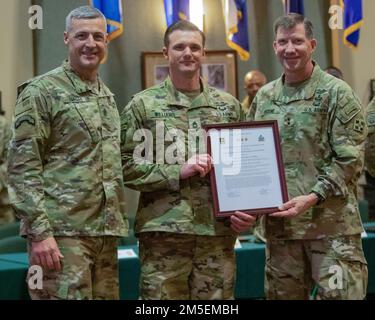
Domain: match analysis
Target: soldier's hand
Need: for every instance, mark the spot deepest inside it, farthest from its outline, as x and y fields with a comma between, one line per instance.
x=198, y=164
x=296, y=206
x=240, y=221
x=46, y=254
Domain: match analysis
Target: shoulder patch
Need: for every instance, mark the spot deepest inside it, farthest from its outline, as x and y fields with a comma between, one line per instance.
x=349, y=110
x=22, y=87
x=359, y=125
x=24, y=119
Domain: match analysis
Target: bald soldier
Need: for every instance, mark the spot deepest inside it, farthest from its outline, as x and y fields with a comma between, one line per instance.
x=185, y=253
x=314, y=240
x=65, y=169
x=253, y=81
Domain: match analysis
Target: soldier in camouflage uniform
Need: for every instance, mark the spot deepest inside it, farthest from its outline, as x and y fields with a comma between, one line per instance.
x=6, y=211
x=370, y=142
x=65, y=169
x=184, y=252
x=314, y=241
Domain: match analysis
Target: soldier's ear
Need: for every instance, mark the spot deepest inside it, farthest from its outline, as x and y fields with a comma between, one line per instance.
x=66, y=37
x=313, y=43
x=274, y=47
x=165, y=52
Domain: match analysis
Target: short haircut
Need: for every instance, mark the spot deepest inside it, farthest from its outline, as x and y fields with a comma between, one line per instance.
x=290, y=20
x=182, y=25
x=84, y=12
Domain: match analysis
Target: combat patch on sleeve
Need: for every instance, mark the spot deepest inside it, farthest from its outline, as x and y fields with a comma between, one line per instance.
x=25, y=120
x=349, y=110
x=359, y=125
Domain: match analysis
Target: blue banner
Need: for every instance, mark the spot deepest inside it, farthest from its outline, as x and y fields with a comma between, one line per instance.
x=112, y=10
x=294, y=6
x=353, y=21
x=236, y=26
x=176, y=10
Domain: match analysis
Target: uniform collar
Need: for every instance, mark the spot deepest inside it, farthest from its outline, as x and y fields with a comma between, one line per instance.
x=81, y=86
x=304, y=91
x=175, y=97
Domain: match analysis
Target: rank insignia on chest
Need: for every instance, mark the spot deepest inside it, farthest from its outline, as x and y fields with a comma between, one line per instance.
x=288, y=121
x=195, y=123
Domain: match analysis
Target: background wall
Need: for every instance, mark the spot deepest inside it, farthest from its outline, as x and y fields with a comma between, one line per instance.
x=144, y=23
x=16, y=54
x=144, y=26
x=358, y=65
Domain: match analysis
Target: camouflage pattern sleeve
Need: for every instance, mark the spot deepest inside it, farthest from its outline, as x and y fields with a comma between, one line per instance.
x=370, y=142
x=144, y=176
x=252, y=110
x=348, y=131
x=4, y=141
x=30, y=131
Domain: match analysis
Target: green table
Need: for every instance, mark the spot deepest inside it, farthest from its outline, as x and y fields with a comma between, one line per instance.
x=13, y=272
x=250, y=272
x=129, y=269
x=14, y=266
x=250, y=268
x=369, y=249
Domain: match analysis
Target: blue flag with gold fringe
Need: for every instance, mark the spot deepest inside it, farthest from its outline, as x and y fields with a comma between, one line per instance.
x=352, y=21
x=294, y=6
x=176, y=10
x=112, y=10
x=236, y=27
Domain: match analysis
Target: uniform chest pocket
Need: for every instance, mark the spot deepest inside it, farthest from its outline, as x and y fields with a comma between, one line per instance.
x=110, y=118
x=312, y=121
x=160, y=120
x=211, y=118
x=268, y=114
x=86, y=117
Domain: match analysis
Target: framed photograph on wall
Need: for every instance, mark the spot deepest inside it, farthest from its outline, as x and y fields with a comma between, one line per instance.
x=219, y=69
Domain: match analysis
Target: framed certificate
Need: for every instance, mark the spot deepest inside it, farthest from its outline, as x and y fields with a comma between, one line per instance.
x=248, y=172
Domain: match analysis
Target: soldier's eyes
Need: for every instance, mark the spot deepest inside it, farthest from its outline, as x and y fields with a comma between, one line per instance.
x=195, y=48
x=99, y=37
x=81, y=36
x=179, y=47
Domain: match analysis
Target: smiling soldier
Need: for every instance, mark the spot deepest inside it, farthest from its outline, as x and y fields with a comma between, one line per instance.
x=316, y=236
x=65, y=169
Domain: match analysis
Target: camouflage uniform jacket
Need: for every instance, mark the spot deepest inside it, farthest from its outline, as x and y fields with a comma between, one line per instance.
x=167, y=203
x=370, y=143
x=322, y=128
x=6, y=212
x=64, y=159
